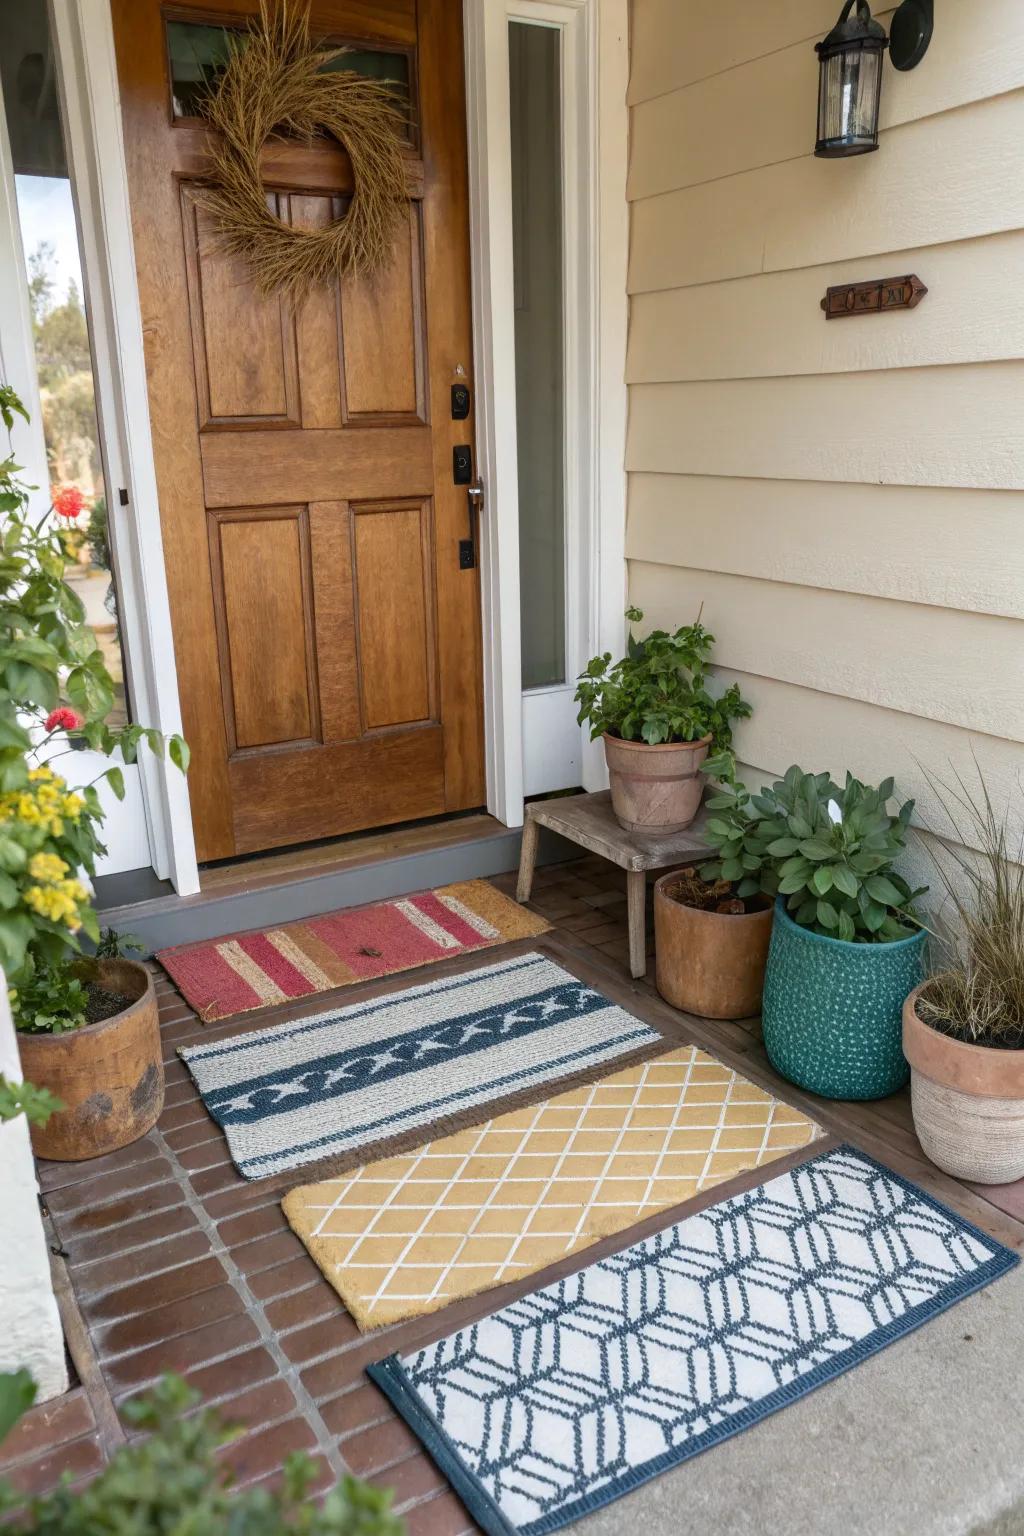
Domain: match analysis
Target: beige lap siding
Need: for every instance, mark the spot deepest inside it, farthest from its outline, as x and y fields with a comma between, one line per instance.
x=846, y=498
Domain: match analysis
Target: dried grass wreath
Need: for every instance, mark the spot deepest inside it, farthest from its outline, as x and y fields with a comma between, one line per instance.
x=274, y=84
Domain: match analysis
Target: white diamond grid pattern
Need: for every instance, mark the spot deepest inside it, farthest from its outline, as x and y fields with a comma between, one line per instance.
x=575, y=1393
x=409, y=1234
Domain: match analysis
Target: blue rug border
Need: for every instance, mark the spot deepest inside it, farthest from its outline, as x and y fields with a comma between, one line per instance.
x=390, y=1376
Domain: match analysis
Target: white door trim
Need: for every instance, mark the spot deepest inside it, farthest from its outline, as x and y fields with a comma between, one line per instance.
x=91, y=103
x=595, y=142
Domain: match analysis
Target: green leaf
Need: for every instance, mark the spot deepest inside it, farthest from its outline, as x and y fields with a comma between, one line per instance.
x=17, y=1394
x=822, y=879
x=845, y=880
x=91, y=693
x=115, y=778
x=782, y=847
x=828, y=917
x=882, y=890
x=814, y=848
x=847, y=930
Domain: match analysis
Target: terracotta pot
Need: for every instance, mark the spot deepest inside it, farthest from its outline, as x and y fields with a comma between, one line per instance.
x=655, y=789
x=968, y=1102
x=110, y=1075
x=709, y=963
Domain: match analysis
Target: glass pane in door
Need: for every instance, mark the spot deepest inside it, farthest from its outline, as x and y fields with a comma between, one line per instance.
x=60, y=329
x=536, y=106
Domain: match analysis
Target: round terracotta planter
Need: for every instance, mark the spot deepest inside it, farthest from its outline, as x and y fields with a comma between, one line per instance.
x=709, y=963
x=655, y=789
x=968, y=1102
x=110, y=1075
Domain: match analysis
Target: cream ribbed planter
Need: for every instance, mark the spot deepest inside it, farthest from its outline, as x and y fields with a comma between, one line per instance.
x=968, y=1102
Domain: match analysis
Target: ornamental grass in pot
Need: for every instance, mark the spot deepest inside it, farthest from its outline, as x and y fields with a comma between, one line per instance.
x=963, y=1028
x=659, y=723
x=846, y=944
x=87, y=1026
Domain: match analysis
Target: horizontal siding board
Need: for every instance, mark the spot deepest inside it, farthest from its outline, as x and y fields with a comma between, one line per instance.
x=762, y=112
x=674, y=42
x=825, y=733
x=922, y=188
x=771, y=324
x=964, y=669
x=959, y=549
x=918, y=426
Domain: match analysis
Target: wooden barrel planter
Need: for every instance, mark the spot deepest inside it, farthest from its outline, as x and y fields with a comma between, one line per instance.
x=110, y=1075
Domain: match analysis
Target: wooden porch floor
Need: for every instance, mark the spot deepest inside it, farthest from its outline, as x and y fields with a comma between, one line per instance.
x=168, y=1259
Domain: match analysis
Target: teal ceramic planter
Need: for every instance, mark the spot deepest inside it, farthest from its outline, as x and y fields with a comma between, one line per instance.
x=832, y=1013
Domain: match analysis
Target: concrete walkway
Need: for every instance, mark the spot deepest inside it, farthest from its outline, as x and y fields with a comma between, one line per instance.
x=926, y=1439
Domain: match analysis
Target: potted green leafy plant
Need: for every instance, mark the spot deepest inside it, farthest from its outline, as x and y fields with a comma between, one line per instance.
x=963, y=1028
x=171, y=1477
x=659, y=721
x=846, y=945
x=88, y=1028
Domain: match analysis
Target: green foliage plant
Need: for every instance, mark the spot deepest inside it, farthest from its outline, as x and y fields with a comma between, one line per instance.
x=829, y=851
x=174, y=1482
x=53, y=683
x=36, y=1104
x=658, y=692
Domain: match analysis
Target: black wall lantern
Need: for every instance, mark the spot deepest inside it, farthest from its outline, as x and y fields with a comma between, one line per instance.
x=850, y=72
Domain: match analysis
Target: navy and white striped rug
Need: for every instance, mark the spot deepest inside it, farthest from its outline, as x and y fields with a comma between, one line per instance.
x=321, y=1088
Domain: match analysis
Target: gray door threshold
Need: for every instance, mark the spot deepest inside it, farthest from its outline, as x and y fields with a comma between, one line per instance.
x=162, y=921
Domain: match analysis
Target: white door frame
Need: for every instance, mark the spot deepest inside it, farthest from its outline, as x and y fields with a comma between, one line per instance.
x=91, y=104
x=595, y=58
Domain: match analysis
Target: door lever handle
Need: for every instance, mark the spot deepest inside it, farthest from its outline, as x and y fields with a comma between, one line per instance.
x=475, y=492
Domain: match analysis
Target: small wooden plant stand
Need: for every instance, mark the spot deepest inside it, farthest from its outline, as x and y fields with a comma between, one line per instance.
x=589, y=821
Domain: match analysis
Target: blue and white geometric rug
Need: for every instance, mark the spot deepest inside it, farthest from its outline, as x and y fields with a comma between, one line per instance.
x=578, y=1393
x=364, y=1075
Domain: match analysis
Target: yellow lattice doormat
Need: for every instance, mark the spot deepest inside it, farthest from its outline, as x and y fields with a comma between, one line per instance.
x=406, y=1235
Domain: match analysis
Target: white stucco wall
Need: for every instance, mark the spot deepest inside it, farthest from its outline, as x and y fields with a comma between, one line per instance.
x=30, y=1331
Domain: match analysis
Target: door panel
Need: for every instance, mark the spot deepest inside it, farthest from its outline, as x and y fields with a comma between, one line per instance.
x=395, y=613
x=327, y=642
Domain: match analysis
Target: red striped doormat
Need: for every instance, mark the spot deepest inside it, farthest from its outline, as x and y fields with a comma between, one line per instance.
x=243, y=971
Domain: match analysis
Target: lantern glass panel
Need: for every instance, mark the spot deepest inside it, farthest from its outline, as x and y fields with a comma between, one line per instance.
x=848, y=100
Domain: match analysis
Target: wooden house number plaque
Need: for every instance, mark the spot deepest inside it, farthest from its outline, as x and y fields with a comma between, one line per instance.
x=873, y=297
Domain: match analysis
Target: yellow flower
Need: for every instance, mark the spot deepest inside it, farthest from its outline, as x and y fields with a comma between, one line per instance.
x=74, y=890
x=47, y=866
x=71, y=806
x=57, y=905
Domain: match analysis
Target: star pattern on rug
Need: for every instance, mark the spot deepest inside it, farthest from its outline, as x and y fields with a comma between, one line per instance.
x=652, y=1353
x=252, y=1100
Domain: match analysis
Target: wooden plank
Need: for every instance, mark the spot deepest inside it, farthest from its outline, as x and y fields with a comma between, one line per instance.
x=383, y=325
x=823, y=731
x=261, y=562
x=950, y=177
x=313, y=466
x=396, y=776
x=394, y=615
x=589, y=821
x=762, y=111
x=955, y=549
x=675, y=42
x=771, y=324
x=962, y=668
x=921, y=426
x=318, y=326
x=261, y=383
x=334, y=609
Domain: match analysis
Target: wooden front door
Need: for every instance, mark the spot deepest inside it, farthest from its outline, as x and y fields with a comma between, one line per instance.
x=327, y=641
